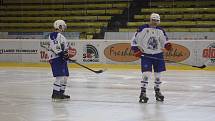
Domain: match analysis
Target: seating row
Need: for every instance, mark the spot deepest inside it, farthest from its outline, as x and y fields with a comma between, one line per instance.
x=85, y=30
x=173, y=29
x=51, y=19
x=36, y=7
x=178, y=10
x=60, y=1
x=177, y=23
x=45, y=25
x=61, y=13
x=182, y=4
x=179, y=16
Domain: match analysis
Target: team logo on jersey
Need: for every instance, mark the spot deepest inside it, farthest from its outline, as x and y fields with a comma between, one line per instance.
x=90, y=54
x=209, y=52
x=152, y=43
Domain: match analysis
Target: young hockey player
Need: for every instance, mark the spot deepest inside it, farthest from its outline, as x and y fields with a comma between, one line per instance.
x=148, y=44
x=58, y=57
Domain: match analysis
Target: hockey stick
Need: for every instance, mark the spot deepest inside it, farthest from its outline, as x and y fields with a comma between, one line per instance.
x=95, y=71
x=201, y=67
x=74, y=61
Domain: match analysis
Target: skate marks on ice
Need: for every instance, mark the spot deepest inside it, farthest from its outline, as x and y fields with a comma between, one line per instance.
x=25, y=95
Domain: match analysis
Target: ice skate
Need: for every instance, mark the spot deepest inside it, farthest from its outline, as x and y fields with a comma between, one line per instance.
x=143, y=98
x=66, y=96
x=60, y=97
x=57, y=97
x=158, y=95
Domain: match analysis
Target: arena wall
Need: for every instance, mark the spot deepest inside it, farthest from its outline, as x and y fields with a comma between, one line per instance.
x=193, y=52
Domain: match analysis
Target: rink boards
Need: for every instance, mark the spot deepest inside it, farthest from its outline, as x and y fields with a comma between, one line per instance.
x=97, y=53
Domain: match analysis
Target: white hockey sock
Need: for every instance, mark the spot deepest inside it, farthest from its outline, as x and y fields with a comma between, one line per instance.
x=57, y=83
x=145, y=78
x=63, y=83
x=157, y=80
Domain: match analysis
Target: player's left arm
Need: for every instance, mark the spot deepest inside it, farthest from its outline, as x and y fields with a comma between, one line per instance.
x=64, y=48
x=166, y=45
x=55, y=46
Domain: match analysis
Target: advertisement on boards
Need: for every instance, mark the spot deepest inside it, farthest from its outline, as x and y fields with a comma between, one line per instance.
x=120, y=52
x=195, y=52
x=90, y=53
x=19, y=51
x=209, y=53
x=178, y=53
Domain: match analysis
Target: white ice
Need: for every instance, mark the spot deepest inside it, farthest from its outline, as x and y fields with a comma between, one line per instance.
x=25, y=95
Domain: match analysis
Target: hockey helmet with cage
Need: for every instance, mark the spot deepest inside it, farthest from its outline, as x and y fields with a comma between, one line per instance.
x=155, y=16
x=60, y=25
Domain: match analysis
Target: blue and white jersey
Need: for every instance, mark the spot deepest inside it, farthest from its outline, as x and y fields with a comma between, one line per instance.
x=150, y=40
x=57, y=43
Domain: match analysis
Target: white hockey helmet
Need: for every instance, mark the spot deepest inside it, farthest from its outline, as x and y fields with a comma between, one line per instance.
x=60, y=25
x=155, y=19
x=155, y=16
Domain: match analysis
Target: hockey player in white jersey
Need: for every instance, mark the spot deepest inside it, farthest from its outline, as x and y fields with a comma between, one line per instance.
x=58, y=57
x=148, y=44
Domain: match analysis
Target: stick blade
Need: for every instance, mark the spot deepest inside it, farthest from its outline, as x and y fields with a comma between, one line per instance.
x=99, y=71
x=201, y=67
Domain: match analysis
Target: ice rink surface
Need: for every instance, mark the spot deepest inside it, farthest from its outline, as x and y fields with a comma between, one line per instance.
x=25, y=95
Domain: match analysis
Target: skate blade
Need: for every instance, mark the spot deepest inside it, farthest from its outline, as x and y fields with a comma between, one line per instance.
x=143, y=100
x=159, y=100
x=59, y=100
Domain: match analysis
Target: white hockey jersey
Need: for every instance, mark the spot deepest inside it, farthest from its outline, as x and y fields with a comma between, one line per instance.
x=57, y=43
x=151, y=40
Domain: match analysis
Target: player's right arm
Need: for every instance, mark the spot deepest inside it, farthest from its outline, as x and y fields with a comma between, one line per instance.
x=134, y=45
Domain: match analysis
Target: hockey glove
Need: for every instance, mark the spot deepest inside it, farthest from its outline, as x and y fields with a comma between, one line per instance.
x=168, y=46
x=138, y=54
x=64, y=55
